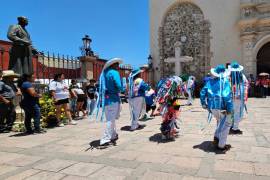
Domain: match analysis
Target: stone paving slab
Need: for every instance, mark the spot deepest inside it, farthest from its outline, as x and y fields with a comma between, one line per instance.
x=55, y=165
x=24, y=174
x=82, y=169
x=112, y=173
x=44, y=175
x=65, y=153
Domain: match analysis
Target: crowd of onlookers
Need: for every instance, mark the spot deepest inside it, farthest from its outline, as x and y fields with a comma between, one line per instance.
x=73, y=100
x=259, y=87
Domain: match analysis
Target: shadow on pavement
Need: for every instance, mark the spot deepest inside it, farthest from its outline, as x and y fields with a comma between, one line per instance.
x=146, y=119
x=158, y=139
x=21, y=134
x=207, y=146
x=127, y=128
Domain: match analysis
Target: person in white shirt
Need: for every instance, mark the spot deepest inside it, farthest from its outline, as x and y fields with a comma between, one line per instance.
x=80, y=97
x=60, y=94
x=190, y=89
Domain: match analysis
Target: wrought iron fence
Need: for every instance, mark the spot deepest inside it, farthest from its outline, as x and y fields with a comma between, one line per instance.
x=51, y=64
x=46, y=65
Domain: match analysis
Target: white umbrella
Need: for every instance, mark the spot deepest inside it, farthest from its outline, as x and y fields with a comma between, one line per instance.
x=264, y=74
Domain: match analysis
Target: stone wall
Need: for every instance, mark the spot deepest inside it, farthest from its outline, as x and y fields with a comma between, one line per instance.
x=185, y=22
x=254, y=26
x=222, y=15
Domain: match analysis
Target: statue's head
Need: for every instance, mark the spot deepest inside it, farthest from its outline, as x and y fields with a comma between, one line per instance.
x=23, y=21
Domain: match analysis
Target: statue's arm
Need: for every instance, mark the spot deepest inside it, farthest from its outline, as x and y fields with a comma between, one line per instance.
x=12, y=35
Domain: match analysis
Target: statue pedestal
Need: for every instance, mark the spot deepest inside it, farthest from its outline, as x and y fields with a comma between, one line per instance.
x=87, y=66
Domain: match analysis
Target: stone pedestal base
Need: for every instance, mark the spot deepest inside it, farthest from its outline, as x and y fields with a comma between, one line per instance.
x=87, y=66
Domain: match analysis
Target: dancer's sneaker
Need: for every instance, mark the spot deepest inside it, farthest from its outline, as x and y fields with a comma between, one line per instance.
x=139, y=127
x=115, y=138
x=226, y=148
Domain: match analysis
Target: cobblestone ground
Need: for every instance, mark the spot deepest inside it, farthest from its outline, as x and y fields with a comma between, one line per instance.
x=65, y=153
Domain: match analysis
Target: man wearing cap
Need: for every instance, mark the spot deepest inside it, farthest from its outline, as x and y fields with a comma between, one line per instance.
x=21, y=52
x=137, y=89
x=109, y=88
x=216, y=97
x=239, y=87
x=7, y=94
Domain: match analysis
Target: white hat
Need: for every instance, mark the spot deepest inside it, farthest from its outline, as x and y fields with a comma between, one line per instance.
x=134, y=72
x=111, y=62
x=10, y=73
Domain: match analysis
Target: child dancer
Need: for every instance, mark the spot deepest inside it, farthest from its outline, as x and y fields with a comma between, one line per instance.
x=168, y=98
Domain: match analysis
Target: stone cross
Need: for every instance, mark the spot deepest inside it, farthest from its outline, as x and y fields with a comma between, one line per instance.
x=178, y=59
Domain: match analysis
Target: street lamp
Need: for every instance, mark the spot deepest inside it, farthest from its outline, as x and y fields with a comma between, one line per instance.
x=86, y=45
x=150, y=61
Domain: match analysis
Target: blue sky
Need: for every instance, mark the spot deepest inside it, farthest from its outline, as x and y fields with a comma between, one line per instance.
x=118, y=28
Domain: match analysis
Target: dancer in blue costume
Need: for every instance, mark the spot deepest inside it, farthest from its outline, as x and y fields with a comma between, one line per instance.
x=109, y=88
x=239, y=85
x=216, y=97
x=137, y=89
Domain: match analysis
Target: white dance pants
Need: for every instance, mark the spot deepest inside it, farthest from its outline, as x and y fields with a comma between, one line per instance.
x=223, y=133
x=189, y=96
x=236, y=113
x=112, y=113
x=136, y=108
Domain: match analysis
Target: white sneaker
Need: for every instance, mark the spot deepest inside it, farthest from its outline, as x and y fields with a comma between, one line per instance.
x=72, y=122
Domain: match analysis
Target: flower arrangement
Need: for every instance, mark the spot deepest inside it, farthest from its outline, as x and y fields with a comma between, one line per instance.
x=48, y=111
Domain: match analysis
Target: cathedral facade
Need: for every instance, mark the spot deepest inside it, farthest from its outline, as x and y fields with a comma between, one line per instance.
x=211, y=32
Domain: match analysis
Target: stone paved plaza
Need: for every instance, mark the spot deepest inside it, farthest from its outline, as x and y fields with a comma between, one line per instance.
x=65, y=153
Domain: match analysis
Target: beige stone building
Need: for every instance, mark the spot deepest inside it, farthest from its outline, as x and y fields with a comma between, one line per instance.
x=212, y=32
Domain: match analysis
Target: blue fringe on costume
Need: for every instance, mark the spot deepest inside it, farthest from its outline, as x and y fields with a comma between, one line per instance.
x=238, y=88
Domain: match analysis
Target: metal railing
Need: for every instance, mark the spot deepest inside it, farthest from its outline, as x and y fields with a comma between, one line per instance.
x=51, y=64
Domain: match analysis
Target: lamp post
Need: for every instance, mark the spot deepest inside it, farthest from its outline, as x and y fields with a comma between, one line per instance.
x=86, y=45
x=150, y=61
x=151, y=70
x=87, y=60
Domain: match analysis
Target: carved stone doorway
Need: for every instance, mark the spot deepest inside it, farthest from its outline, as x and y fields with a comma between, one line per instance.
x=263, y=59
x=185, y=22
